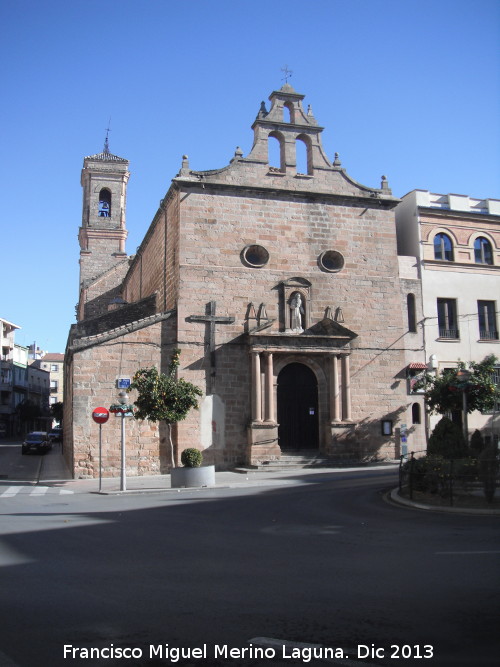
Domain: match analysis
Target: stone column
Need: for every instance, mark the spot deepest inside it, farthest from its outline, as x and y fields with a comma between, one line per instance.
x=346, y=389
x=269, y=401
x=334, y=389
x=256, y=388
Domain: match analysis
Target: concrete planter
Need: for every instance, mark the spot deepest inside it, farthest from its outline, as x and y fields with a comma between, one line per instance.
x=192, y=477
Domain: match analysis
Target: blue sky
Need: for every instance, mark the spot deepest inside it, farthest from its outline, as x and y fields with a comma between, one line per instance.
x=408, y=89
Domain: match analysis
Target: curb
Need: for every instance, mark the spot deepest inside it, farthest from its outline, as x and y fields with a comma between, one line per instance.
x=399, y=500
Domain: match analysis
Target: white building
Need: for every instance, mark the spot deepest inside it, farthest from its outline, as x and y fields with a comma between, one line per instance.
x=456, y=240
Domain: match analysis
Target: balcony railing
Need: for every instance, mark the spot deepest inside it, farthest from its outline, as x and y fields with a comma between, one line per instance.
x=488, y=335
x=448, y=333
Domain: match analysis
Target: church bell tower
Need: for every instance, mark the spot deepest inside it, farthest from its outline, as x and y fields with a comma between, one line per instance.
x=103, y=231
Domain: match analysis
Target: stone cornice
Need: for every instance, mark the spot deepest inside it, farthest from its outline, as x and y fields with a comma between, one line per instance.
x=91, y=341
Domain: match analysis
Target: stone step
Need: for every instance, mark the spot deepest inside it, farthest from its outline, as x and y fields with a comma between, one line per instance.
x=291, y=461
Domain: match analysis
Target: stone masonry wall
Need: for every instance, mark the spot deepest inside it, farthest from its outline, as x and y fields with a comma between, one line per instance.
x=295, y=231
x=94, y=374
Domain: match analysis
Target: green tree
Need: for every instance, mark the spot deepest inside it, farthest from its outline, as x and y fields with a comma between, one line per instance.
x=444, y=393
x=164, y=397
x=447, y=440
x=57, y=411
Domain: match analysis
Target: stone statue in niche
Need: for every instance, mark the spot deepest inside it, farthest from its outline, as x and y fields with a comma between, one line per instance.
x=296, y=313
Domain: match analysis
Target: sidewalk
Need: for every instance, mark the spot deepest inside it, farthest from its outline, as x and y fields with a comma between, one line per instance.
x=54, y=469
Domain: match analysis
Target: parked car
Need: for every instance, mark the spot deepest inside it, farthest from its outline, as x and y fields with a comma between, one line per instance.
x=56, y=434
x=38, y=440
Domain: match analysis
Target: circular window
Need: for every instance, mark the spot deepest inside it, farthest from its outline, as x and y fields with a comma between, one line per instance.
x=331, y=261
x=254, y=256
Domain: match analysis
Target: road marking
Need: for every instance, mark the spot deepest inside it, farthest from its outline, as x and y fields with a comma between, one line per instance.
x=464, y=553
x=37, y=491
x=11, y=491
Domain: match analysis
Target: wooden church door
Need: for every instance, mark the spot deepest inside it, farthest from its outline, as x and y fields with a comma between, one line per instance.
x=297, y=408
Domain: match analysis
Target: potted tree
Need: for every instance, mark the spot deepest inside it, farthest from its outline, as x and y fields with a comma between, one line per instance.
x=192, y=474
x=164, y=397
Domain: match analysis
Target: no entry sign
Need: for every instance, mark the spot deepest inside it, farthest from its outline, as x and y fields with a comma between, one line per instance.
x=100, y=415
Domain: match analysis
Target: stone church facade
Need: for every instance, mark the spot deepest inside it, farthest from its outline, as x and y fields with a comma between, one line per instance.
x=282, y=289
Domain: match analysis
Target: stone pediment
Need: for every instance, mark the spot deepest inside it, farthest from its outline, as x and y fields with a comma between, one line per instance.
x=327, y=327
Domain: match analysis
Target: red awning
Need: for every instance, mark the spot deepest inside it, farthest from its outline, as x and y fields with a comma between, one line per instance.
x=417, y=365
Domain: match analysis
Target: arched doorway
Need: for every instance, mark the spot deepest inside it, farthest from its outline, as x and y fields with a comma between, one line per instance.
x=297, y=408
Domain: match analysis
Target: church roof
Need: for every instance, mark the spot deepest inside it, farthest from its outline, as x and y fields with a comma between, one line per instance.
x=106, y=157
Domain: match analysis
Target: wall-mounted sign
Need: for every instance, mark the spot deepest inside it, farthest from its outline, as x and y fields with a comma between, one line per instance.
x=123, y=383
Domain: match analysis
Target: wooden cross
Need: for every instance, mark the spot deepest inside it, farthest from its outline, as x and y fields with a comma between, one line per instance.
x=211, y=319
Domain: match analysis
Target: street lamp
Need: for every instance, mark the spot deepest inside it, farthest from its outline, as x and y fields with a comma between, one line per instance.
x=122, y=399
x=124, y=410
x=463, y=376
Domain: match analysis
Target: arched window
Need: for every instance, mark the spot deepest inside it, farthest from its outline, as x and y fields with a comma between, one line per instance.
x=443, y=248
x=276, y=151
x=415, y=413
x=483, y=253
x=105, y=203
x=412, y=316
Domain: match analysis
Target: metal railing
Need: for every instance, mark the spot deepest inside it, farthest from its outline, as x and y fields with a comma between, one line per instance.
x=449, y=481
x=448, y=333
x=488, y=335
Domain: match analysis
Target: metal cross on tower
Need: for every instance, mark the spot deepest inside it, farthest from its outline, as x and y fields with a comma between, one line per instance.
x=288, y=73
x=211, y=319
x=106, y=142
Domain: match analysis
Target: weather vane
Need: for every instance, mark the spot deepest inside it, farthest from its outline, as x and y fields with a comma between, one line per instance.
x=288, y=73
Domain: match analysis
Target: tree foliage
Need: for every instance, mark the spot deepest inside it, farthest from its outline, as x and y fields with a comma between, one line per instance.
x=447, y=440
x=57, y=411
x=444, y=393
x=163, y=396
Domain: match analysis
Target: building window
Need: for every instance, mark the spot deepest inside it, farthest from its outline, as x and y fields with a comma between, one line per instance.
x=487, y=320
x=331, y=261
x=105, y=203
x=53, y=385
x=415, y=413
x=412, y=316
x=443, y=248
x=255, y=256
x=483, y=253
x=54, y=368
x=447, y=318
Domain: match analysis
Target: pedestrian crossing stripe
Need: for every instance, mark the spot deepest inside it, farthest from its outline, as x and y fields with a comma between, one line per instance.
x=12, y=491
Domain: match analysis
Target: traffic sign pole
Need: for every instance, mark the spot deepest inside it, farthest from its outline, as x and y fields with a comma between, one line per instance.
x=100, y=458
x=100, y=416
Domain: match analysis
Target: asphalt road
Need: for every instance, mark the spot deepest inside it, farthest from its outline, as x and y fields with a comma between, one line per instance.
x=327, y=561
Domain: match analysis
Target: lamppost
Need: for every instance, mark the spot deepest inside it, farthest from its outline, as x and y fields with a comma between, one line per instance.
x=124, y=410
x=463, y=376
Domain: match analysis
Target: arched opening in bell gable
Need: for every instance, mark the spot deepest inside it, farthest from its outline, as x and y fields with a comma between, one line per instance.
x=276, y=151
x=303, y=155
x=288, y=113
